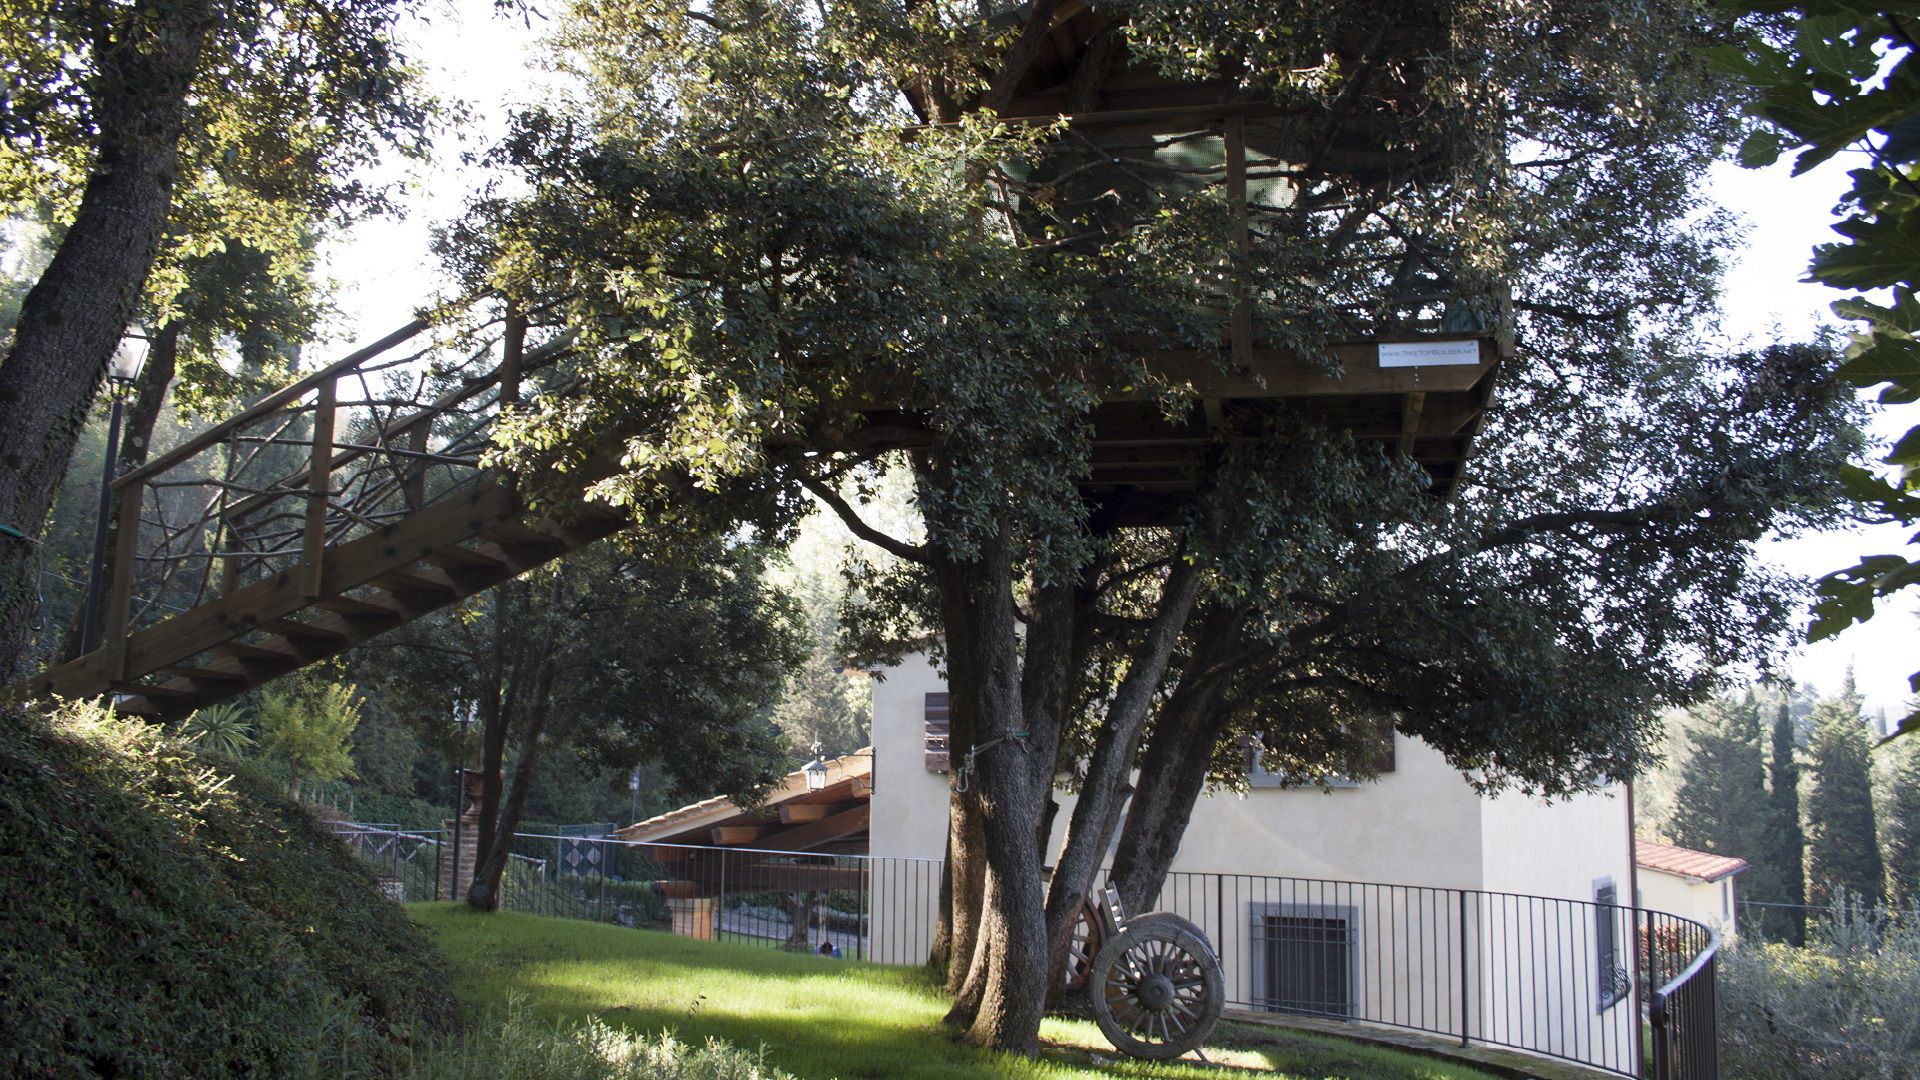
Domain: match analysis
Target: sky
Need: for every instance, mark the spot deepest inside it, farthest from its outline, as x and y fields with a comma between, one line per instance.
x=385, y=270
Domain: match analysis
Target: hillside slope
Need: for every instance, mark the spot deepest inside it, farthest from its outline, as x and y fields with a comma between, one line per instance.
x=162, y=914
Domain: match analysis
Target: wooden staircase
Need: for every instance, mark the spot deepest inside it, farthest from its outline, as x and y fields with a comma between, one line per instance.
x=435, y=557
x=365, y=546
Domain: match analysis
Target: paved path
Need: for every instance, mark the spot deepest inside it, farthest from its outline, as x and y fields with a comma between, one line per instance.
x=1510, y=1063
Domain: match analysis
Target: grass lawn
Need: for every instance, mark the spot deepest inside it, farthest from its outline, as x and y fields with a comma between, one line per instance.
x=820, y=1018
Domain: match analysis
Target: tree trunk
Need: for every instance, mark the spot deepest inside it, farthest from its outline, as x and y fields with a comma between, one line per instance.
x=497, y=707
x=1017, y=737
x=1104, y=792
x=484, y=893
x=1173, y=773
x=72, y=319
x=963, y=882
x=1003, y=994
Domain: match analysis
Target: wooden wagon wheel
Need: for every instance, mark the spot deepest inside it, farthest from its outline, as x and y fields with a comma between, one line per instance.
x=1157, y=987
x=1089, y=933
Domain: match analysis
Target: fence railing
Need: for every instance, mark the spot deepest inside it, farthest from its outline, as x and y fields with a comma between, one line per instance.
x=859, y=906
x=1569, y=979
x=1623, y=990
x=1683, y=1018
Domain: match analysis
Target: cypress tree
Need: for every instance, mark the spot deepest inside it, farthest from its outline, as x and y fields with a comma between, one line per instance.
x=1786, y=851
x=1843, y=851
x=1721, y=804
x=1903, y=829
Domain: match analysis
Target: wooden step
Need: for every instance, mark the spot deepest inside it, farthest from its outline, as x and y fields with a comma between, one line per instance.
x=403, y=582
x=254, y=654
x=458, y=559
x=292, y=629
x=353, y=607
x=202, y=674
x=512, y=534
x=163, y=693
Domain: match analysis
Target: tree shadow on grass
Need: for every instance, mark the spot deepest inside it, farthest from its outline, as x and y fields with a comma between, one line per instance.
x=812, y=1016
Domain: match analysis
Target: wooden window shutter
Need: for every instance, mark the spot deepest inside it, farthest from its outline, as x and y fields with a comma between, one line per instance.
x=1381, y=760
x=1377, y=757
x=938, y=733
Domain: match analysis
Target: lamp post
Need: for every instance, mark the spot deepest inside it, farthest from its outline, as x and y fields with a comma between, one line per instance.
x=816, y=771
x=463, y=718
x=122, y=370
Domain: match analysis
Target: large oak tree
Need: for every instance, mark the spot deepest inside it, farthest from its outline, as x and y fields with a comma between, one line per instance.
x=800, y=249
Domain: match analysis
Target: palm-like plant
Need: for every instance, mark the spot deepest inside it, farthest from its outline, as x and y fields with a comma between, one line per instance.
x=221, y=729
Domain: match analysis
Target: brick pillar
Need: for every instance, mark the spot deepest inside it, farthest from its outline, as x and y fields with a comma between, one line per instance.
x=468, y=857
x=693, y=917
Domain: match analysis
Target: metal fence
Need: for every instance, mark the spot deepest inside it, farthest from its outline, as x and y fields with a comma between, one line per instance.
x=857, y=906
x=1627, y=991
x=1572, y=979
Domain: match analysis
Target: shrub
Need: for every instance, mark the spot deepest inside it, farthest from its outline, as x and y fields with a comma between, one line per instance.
x=161, y=916
x=515, y=1046
x=1844, y=1005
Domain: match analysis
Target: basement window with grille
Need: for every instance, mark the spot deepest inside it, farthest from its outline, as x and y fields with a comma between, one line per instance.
x=1303, y=958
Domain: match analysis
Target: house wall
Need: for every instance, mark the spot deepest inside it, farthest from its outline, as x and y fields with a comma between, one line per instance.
x=1417, y=826
x=1702, y=901
x=1314, y=854
x=1553, y=963
x=909, y=820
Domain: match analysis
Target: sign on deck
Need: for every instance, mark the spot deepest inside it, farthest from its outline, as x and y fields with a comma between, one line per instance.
x=1400, y=354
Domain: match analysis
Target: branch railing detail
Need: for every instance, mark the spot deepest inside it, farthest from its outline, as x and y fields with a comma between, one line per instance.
x=385, y=431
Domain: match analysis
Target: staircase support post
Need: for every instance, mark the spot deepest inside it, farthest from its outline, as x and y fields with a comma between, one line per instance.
x=313, y=549
x=120, y=600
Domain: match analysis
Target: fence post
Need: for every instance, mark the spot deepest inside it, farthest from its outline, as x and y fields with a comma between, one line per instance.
x=1220, y=906
x=459, y=805
x=1463, y=967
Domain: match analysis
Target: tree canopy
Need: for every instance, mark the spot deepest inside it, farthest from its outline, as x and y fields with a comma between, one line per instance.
x=805, y=246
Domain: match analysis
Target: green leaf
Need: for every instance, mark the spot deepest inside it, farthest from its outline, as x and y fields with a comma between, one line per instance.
x=1903, y=141
x=1902, y=317
x=1885, y=359
x=1760, y=149
x=1907, y=450
x=1881, y=254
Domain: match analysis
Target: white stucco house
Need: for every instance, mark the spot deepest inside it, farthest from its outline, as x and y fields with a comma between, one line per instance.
x=1695, y=885
x=1410, y=900
x=1401, y=899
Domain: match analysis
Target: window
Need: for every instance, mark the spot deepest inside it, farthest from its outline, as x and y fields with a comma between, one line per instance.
x=938, y=733
x=1303, y=959
x=1379, y=761
x=1610, y=977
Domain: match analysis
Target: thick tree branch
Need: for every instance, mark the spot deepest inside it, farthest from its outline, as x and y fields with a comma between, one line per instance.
x=857, y=525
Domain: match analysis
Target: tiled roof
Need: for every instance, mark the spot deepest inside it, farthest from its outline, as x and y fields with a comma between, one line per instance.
x=1685, y=862
x=855, y=766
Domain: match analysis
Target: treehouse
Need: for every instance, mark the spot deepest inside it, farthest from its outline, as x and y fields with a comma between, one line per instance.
x=1416, y=343
x=353, y=501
